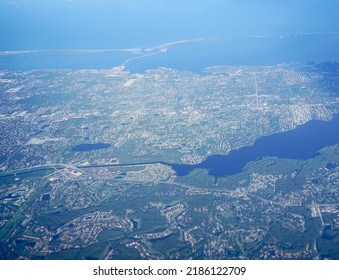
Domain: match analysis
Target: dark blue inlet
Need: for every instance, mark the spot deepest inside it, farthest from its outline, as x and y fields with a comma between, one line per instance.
x=302, y=143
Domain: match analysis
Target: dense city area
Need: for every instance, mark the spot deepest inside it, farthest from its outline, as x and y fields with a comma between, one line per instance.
x=86, y=155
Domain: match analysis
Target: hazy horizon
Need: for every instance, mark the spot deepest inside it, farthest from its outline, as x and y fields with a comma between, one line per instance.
x=89, y=24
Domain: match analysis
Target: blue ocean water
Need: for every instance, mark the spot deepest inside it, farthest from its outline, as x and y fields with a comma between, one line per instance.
x=247, y=51
x=107, y=24
x=62, y=60
x=190, y=56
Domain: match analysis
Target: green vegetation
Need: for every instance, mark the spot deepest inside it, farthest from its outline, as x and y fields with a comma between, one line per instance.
x=85, y=207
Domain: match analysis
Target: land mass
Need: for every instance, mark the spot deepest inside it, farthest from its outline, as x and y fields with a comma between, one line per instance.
x=102, y=145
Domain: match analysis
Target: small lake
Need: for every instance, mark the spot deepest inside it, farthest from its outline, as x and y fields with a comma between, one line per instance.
x=301, y=143
x=90, y=147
